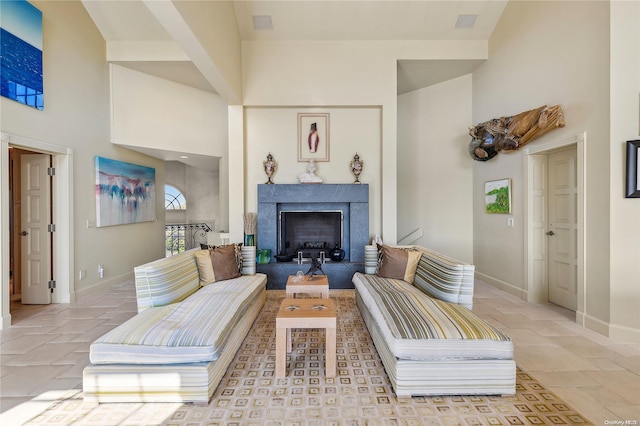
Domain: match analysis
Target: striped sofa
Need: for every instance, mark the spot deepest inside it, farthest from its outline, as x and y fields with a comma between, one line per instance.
x=429, y=340
x=179, y=345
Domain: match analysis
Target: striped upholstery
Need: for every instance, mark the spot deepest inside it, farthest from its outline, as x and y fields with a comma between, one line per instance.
x=172, y=279
x=444, y=277
x=167, y=280
x=194, y=382
x=429, y=341
x=416, y=326
x=193, y=330
x=183, y=339
x=441, y=376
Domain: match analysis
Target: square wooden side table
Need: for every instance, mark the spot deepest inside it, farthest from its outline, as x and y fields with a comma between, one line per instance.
x=305, y=313
x=314, y=284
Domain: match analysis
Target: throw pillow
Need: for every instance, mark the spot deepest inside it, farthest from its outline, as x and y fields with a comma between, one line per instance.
x=238, y=252
x=205, y=267
x=224, y=260
x=398, y=263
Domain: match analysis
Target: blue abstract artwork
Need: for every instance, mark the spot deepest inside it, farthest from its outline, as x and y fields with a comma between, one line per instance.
x=125, y=193
x=21, y=53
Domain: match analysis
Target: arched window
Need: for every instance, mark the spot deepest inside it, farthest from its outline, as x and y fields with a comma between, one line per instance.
x=173, y=199
x=174, y=234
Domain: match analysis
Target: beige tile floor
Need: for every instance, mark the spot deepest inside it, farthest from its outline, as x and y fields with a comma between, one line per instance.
x=43, y=353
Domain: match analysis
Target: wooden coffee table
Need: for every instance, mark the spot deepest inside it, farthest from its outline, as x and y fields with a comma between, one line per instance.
x=311, y=284
x=305, y=313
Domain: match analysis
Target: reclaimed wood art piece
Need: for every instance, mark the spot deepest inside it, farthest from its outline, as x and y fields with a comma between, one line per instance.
x=511, y=133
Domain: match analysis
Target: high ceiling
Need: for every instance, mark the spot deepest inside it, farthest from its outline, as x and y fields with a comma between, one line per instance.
x=312, y=20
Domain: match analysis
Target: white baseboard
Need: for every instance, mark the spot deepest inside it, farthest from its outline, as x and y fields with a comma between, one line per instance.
x=613, y=331
x=103, y=285
x=628, y=334
x=592, y=323
x=502, y=285
x=6, y=322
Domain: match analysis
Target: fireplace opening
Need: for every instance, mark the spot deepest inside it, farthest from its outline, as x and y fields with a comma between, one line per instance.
x=309, y=232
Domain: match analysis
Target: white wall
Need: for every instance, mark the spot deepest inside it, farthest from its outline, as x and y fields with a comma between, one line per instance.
x=625, y=212
x=152, y=112
x=352, y=130
x=434, y=170
x=339, y=74
x=76, y=116
x=534, y=60
x=201, y=189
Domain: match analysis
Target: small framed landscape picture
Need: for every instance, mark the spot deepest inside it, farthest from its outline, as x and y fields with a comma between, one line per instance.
x=313, y=136
x=497, y=196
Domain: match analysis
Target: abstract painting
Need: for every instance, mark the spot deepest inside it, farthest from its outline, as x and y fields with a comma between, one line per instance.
x=125, y=193
x=497, y=196
x=21, y=58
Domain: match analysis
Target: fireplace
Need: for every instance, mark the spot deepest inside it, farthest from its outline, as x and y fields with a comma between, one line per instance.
x=320, y=216
x=342, y=207
x=309, y=233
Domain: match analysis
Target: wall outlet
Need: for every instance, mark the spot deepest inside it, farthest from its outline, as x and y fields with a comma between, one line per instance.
x=509, y=221
x=82, y=274
x=101, y=271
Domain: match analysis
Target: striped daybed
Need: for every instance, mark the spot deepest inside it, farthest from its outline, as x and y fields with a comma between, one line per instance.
x=429, y=340
x=179, y=345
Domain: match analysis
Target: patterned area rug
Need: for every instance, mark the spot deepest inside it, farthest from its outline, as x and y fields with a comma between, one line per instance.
x=361, y=393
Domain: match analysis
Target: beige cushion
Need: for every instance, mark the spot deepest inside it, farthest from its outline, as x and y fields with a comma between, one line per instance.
x=412, y=265
x=205, y=267
x=396, y=263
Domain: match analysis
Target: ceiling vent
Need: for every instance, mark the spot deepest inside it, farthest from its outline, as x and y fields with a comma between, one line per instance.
x=262, y=22
x=466, y=21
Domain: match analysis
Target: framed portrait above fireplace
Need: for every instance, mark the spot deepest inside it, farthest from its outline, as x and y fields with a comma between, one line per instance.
x=313, y=136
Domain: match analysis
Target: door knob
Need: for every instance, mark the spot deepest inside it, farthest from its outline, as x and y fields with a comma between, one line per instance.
x=24, y=233
x=551, y=233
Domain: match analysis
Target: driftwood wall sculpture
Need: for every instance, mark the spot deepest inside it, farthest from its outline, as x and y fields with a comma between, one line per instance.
x=511, y=133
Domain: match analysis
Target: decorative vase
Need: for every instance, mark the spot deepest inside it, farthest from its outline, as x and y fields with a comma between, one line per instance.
x=336, y=254
x=356, y=167
x=269, y=168
x=249, y=240
x=248, y=260
x=263, y=256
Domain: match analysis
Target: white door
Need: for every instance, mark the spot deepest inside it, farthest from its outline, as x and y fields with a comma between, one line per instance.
x=563, y=228
x=36, y=240
x=538, y=193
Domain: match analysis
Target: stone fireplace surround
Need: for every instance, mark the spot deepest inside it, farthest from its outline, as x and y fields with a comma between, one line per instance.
x=351, y=199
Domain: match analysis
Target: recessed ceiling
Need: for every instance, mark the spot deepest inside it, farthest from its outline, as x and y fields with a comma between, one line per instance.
x=367, y=20
x=312, y=20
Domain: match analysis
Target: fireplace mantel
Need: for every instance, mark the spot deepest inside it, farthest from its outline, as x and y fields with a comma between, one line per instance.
x=352, y=199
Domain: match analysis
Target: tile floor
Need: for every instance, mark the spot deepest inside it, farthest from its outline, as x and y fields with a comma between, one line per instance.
x=43, y=353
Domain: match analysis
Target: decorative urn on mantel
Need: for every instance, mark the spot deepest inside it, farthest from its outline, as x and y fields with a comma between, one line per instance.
x=356, y=167
x=269, y=168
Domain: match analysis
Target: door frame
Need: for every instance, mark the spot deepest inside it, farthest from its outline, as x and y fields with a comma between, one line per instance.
x=62, y=199
x=536, y=291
